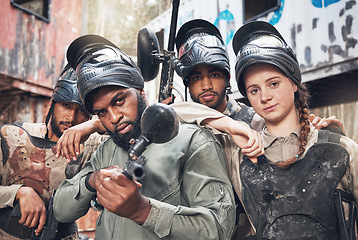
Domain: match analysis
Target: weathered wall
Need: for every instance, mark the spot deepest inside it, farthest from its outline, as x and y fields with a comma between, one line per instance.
x=32, y=55
x=32, y=50
x=323, y=33
x=347, y=113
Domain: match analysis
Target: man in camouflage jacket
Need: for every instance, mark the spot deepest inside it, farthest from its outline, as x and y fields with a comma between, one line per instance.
x=31, y=171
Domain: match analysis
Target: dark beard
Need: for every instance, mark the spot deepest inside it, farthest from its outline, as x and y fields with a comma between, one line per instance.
x=55, y=128
x=221, y=98
x=123, y=140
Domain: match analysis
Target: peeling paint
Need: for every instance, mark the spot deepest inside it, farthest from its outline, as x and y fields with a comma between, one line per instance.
x=331, y=35
x=32, y=50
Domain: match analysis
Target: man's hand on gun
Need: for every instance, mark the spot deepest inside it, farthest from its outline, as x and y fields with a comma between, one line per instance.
x=120, y=195
x=33, y=209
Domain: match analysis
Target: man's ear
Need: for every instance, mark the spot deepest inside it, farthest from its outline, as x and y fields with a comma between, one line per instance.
x=141, y=92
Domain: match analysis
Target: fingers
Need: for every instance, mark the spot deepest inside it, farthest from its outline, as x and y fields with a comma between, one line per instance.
x=115, y=189
x=168, y=100
x=254, y=146
x=42, y=223
x=331, y=121
x=317, y=121
x=33, y=210
x=311, y=117
x=77, y=144
x=69, y=145
x=254, y=160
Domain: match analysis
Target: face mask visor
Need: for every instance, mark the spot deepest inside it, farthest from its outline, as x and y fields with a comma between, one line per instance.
x=264, y=45
x=203, y=39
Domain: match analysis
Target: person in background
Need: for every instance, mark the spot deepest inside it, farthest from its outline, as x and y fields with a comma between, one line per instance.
x=30, y=171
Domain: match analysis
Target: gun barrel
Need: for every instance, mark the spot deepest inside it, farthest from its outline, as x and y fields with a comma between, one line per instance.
x=173, y=25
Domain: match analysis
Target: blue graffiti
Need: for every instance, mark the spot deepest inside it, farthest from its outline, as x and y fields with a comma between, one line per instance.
x=320, y=3
x=229, y=18
x=277, y=14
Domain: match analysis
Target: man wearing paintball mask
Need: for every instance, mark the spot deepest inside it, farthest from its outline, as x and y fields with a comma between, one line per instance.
x=30, y=170
x=185, y=193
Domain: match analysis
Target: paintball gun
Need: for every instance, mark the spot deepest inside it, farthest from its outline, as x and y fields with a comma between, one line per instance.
x=149, y=56
x=159, y=124
x=50, y=229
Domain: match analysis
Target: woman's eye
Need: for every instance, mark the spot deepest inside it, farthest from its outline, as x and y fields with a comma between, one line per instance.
x=274, y=84
x=254, y=91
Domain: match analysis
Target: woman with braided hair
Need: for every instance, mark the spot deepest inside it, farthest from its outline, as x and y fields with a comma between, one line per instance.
x=290, y=191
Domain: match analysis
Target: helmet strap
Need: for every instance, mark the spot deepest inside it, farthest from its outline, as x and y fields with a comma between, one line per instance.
x=228, y=89
x=49, y=114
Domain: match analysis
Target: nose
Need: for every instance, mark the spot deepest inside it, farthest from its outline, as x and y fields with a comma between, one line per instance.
x=114, y=115
x=70, y=116
x=206, y=83
x=265, y=95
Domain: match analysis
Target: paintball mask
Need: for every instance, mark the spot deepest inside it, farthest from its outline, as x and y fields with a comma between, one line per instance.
x=260, y=42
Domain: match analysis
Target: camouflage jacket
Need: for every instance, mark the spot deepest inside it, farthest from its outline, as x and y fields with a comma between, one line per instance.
x=27, y=158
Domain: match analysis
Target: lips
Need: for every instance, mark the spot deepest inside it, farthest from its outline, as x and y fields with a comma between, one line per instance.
x=270, y=108
x=124, y=128
x=207, y=97
x=65, y=125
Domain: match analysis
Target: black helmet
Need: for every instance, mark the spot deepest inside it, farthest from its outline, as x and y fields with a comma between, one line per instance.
x=98, y=63
x=260, y=42
x=65, y=91
x=66, y=87
x=200, y=42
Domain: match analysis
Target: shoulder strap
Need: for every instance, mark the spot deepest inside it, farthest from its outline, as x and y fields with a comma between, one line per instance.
x=4, y=149
x=245, y=114
x=325, y=136
x=18, y=123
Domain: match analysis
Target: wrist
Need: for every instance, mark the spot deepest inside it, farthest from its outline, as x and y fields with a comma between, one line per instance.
x=99, y=128
x=143, y=211
x=87, y=184
x=22, y=191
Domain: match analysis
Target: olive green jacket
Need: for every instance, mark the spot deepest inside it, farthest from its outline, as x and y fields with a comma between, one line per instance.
x=186, y=183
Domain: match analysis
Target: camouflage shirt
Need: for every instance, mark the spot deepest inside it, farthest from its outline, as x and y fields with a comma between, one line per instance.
x=29, y=161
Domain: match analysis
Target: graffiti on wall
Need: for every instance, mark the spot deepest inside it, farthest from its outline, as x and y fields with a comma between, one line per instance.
x=228, y=18
x=323, y=3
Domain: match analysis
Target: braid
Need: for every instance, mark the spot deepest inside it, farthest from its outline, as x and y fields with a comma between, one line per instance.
x=301, y=104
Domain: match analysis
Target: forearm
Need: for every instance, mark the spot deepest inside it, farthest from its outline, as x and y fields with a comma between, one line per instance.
x=181, y=222
x=191, y=112
x=225, y=124
x=72, y=200
x=98, y=126
x=8, y=195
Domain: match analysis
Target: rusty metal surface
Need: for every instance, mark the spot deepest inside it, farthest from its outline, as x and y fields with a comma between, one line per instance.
x=33, y=50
